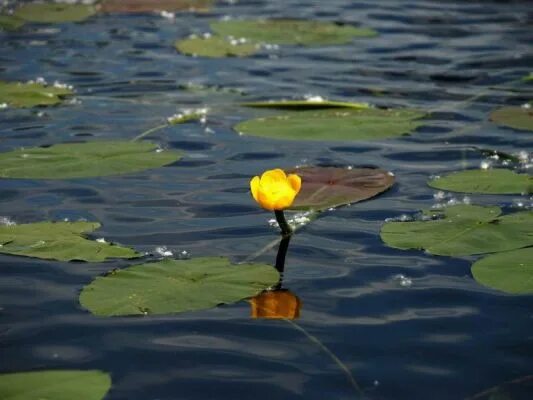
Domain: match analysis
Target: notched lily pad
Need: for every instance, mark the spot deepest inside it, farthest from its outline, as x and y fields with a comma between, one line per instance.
x=463, y=230
x=520, y=118
x=55, y=385
x=305, y=104
x=490, y=181
x=174, y=286
x=146, y=6
x=214, y=47
x=63, y=241
x=510, y=272
x=22, y=95
x=54, y=12
x=326, y=187
x=81, y=160
x=10, y=23
x=334, y=124
x=291, y=32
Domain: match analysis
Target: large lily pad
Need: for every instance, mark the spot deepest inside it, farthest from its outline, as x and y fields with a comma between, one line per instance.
x=55, y=385
x=510, y=272
x=80, y=160
x=214, y=47
x=173, y=286
x=514, y=117
x=288, y=31
x=54, y=12
x=21, y=95
x=305, y=104
x=145, y=6
x=490, y=181
x=326, y=187
x=335, y=124
x=10, y=22
x=64, y=241
x=463, y=230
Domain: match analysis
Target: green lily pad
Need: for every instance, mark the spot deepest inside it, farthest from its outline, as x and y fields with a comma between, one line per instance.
x=55, y=385
x=305, y=104
x=63, y=241
x=54, y=12
x=514, y=117
x=147, y=6
x=10, y=23
x=489, y=181
x=335, y=124
x=81, y=160
x=291, y=32
x=214, y=47
x=174, y=286
x=326, y=187
x=463, y=230
x=21, y=95
x=528, y=78
x=510, y=272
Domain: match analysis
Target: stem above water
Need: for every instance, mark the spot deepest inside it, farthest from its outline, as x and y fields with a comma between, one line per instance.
x=282, y=222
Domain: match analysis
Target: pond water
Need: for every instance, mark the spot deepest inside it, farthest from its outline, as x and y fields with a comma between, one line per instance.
x=405, y=324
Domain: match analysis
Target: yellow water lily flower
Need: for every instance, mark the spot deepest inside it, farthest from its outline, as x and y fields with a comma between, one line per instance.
x=275, y=190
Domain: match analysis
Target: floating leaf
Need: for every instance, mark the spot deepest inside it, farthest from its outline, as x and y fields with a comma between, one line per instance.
x=80, y=160
x=54, y=12
x=214, y=47
x=173, y=286
x=62, y=241
x=10, y=22
x=463, y=230
x=16, y=94
x=55, y=385
x=305, y=104
x=514, y=117
x=336, y=124
x=146, y=6
x=326, y=187
x=489, y=181
x=510, y=272
x=528, y=78
x=287, y=31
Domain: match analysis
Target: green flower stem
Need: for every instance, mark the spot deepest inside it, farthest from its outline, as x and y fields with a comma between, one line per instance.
x=282, y=222
x=149, y=131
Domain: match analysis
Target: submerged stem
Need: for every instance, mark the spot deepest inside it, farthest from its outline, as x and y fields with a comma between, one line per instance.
x=149, y=131
x=336, y=359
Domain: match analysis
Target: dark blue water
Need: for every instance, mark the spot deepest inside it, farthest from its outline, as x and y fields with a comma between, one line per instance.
x=442, y=337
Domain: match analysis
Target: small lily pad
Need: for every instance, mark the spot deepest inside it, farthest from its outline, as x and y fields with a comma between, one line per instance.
x=81, y=160
x=305, y=104
x=146, y=6
x=214, y=47
x=334, y=124
x=10, y=23
x=326, y=187
x=55, y=385
x=47, y=13
x=528, y=78
x=63, y=241
x=21, y=95
x=489, y=181
x=520, y=118
x=463, y=230
x=510, y=272
x=174, y=286
x=291, y=32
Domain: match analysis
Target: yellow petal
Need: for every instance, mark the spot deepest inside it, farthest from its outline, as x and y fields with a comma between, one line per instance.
x=274, y=174
x=265, y=201
x=295, y=181
x=254, y=187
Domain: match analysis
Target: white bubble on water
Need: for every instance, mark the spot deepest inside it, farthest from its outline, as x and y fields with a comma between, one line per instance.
x=485, y=165
x=101, y=240
x=402, y=280
x=167, y=15
x=163, y=251
x=6, y=221
x=3, y=106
